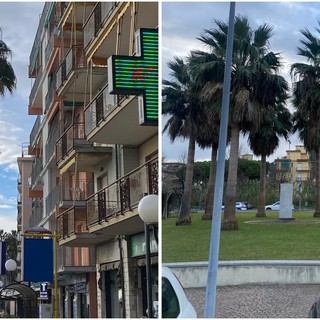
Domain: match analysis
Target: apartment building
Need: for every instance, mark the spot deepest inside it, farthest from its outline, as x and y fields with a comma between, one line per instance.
x=295, y=166
x=95, y=149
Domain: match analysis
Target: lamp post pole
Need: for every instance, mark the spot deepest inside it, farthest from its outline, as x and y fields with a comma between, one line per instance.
x=148, y=212
x=210, y=300
x=148, y=270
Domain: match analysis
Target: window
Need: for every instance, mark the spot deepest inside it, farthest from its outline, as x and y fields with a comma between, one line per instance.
x=170, y=302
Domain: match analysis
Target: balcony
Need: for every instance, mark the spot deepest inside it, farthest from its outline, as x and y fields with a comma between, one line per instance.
x=100, y=14
x=106, y=114
x=50, y=149
x=51, y=97
x=37, y=213
x=35, y=97
x=35, y=133
x=71, y=76
x=52, y=200
x=111, y=211
x=51, y=51
x=19, y=181
x=105, y=20
x=73, y=142
x=74, y=192
x=36, y=184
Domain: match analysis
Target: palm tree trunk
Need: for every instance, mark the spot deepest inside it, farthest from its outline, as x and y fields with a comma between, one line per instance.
x=211, y=183
x=229, y=219
x=262, y=188
x=184, y=214
x=316, y=213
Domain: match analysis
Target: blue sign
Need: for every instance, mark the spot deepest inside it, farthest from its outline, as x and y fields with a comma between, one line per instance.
x=38, y=260
x=3, y=250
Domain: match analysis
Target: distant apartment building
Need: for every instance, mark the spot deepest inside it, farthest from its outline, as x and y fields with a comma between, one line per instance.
x=94, y=147
x=294, y=167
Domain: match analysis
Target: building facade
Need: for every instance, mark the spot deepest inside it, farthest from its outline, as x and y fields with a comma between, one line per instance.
x=95, y=150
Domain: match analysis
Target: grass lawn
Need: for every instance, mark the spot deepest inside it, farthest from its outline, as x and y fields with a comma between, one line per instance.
x=273, y=241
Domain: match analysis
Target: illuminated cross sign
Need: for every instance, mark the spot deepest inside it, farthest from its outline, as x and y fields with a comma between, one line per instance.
x=138, y=75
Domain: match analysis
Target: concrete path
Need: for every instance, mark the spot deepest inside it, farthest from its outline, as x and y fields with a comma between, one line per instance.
x=260, y=301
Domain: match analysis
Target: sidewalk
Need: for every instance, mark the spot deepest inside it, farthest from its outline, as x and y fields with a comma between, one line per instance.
x=259, y=301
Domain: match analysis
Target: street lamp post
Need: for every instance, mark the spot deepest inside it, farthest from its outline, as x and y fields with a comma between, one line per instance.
x=148, y=212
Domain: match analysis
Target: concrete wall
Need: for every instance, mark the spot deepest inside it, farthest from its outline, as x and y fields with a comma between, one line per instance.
x=194, y=275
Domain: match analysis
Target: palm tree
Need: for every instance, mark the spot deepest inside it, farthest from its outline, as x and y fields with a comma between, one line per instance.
x=7, y=75
x=276, y=123
x=251, y=60
x=180, y=105
x=306, y=100
x=207, y=135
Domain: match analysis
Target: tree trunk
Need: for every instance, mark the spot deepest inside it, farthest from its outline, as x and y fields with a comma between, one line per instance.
x=229, y=219
x=184, y=214
x=211, y=183
x=316, y=213
x=262, y=188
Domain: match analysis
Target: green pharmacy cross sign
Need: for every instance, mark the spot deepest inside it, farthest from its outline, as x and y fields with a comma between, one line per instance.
x=138, y=75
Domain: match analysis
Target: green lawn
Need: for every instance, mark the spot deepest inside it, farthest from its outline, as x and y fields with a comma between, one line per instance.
x=276, y=241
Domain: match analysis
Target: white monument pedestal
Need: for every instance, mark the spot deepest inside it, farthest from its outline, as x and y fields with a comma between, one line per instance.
x=286, y=196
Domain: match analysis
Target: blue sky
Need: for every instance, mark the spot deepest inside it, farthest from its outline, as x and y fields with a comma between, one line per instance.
x=182, y=22
x=19, y=22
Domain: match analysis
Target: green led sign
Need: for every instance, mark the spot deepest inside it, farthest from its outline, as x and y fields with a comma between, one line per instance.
x=138, y=75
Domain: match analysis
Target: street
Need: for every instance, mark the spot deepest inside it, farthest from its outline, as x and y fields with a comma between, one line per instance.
x=260, y=301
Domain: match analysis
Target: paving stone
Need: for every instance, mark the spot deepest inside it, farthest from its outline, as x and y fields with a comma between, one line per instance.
x=259, y=301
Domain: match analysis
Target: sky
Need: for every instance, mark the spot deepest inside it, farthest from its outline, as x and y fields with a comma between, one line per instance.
x=18, y=23
x=183, y=22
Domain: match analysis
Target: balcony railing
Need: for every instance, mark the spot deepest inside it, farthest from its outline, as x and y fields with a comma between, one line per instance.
x=36, y=216
x=35, y=130
x=51, y=144
x=52, y=200
x=69, y=139
x=100, y=107
x=124, y=194
x=74, y=59
x=100, y=13
x=50, y=96
x=75, y=191
x=37, y=167
x=35, y=85
x=71, y=221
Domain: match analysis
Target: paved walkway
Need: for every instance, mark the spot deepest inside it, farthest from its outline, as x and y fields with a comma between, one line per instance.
x=260, y=301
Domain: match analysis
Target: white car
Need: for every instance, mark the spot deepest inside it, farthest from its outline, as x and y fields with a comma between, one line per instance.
x=275, y=206
x=241, y=206
x=175, y=303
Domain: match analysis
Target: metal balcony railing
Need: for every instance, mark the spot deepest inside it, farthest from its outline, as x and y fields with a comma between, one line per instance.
x=71, y=221
x=69, y=139
x=75, y=190
x=99, y=108
x=50, y=96
x=52, y=200
x=35, y=85
x=51, y=144
x=96, y=19
x=37, y=167
x=35, y=130
x=124, y=194
x=36, y=216
x=75, y=58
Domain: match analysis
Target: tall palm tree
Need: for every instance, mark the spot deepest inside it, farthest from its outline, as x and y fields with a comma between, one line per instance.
x=306, y=100
x=251, y=59
x=276, y=124
x=179, y=104
x=7, y=75
x=207, y=134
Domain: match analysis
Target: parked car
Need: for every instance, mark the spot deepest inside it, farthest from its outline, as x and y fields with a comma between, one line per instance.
x=240, y=206
x=275, y=206
x=175, y=303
